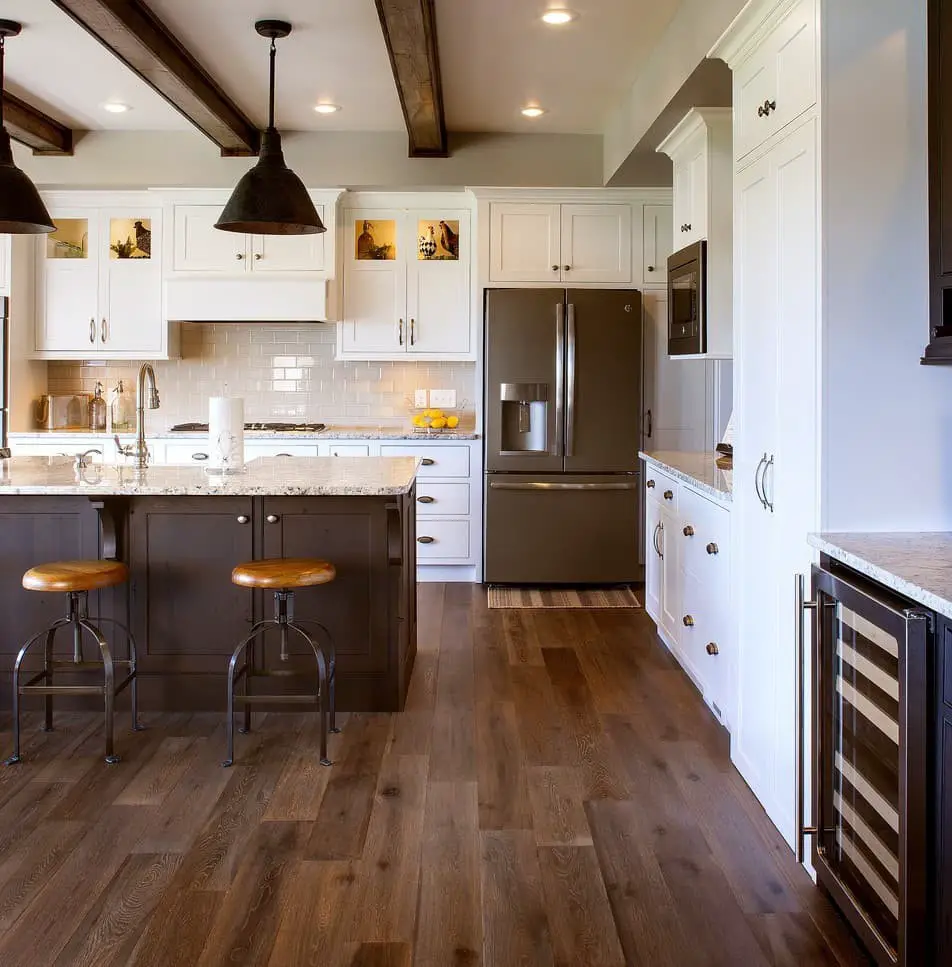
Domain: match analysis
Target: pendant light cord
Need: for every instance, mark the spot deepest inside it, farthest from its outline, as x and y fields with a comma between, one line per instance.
x=271, y=94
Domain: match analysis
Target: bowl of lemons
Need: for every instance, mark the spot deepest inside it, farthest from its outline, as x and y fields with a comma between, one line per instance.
x=434, y=421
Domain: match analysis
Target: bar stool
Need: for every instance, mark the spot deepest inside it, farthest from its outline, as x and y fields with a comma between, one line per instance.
x=76, y=579
x=283, y=576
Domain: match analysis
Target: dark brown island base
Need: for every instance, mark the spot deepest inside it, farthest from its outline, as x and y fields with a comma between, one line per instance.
x=181, y=530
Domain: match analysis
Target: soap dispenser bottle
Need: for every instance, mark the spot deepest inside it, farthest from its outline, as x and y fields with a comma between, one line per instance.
x=97, y=410
x=121, y=409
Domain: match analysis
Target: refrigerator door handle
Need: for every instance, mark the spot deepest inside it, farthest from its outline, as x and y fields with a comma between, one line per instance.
x=539, y=485
x=559, y=375
x=570, y=387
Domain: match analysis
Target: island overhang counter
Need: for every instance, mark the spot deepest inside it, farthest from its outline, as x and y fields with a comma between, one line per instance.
x=181, y=530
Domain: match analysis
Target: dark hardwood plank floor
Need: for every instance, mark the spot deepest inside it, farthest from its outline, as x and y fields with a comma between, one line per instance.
x=555, y=794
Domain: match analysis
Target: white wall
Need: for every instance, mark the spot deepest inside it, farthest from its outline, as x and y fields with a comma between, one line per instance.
x=887, y=426
x=371, y=160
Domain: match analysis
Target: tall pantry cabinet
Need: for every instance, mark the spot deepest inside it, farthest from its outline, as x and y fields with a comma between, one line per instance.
x=772, y=51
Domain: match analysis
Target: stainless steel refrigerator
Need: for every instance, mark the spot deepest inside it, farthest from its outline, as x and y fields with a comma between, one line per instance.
x=563, y=427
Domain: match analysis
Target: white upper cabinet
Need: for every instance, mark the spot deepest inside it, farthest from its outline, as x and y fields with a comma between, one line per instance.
x=406, y=284
x=778, y=82
x=658, y=243
x=199, y=247
x=99, y=280
x=596, y=243
x=5, y=264
x=565, y=244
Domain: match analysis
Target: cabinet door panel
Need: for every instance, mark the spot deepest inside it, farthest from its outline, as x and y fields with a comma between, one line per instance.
x=653, y=585
x=524, y=243
x=699, y=200
x=288, y=253
x=438, y=308
x=754, y=82
x=795, y=43
x=670, y=578
x=596, y=243
x=200, y=247
x=374, y=305
x=658, y=243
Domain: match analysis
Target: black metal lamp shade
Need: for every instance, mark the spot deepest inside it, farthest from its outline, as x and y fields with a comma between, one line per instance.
x=270, y=199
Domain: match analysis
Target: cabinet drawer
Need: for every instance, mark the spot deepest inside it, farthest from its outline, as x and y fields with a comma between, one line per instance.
x=705, y=535
x=438, y=461
x=442, y=540
x=704, y=650
x=442, y=499
x=349, y=450
x=279, y=449
x=659, y=486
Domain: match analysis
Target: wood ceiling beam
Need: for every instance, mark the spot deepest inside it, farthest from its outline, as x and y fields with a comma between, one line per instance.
x=141, y=41
x=30, y=126
x=409, y=29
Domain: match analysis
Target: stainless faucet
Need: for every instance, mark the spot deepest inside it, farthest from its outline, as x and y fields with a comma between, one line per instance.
x=141, y=451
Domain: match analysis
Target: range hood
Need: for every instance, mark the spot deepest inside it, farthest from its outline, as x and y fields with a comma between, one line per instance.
x=247, y=300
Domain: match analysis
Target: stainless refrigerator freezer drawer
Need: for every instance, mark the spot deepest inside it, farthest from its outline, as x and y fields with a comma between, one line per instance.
x=562, y=529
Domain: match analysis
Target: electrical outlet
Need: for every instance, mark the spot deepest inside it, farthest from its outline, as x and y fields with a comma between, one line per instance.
x=419, y=399
x=445, y=398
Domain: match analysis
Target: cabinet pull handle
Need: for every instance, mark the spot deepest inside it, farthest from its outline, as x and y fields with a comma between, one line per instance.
x=687, y=621
x=688, y=531
x=272, y=518
x=199, y=456
x=650, y=424
x=239, y=256
x=242, y=518
x=656, y=537
x=760, y=496
x=284, y=454
x=400, y=333
x=413, y=332
x=428, y=462
x=669, y=495
x=768, y=504
x=92, y=330
x=104, y=330
x=426, y=500
x=712, y=649
x=426, y=540
x=713, y=549
x=651, y=485
x=661, y=539
x=802, y=605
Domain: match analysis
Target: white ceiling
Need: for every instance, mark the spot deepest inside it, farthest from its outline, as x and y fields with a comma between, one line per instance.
x=496, y=56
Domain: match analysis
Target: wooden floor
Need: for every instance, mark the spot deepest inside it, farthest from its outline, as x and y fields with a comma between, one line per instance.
x=555, y=794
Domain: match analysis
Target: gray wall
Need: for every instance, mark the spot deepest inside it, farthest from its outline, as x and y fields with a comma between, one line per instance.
x=887, y=424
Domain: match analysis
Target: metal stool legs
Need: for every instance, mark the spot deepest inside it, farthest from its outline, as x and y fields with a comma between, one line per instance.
x=284, y=621
x=78, y=620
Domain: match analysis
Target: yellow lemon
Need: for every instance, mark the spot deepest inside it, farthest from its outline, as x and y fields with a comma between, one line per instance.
x=438, y=423
x=452, y=422
x=419, y=421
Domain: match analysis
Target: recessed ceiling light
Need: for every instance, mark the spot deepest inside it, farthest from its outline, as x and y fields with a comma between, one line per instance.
x=533, y=111
x=115, y=107
x=559, y=17
x=327, y=108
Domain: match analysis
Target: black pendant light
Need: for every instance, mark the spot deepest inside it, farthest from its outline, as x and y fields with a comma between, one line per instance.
x=270, y=199
x=22, y=211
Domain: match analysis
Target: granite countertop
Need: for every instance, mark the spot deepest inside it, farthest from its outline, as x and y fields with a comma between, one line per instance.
x=263, y=477
x=333, y=431
x=697, y=469
x=915, y=565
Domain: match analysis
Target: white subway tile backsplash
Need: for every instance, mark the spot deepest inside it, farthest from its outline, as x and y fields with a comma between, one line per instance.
x=283, y=374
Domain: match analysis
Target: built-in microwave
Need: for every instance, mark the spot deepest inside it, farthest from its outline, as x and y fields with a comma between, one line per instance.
x=687, y=301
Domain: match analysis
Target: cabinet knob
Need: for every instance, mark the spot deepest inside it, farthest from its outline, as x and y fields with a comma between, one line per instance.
x=239, y=256
x=199, y=456
x=555, y=268
x=651, y=268
x=669, y=495
x=567, y=268
x=426, y=540
x=272, y=518
x=426, y=500
x=713, y=549
x=688, y=531
x=258, y=256
x=428, y=462
x=242, y=518
x=688, y=621
x=712, y=649
x=651, y=485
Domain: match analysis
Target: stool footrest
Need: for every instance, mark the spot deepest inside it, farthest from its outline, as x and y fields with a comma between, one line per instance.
x=276, y=699
x=281, y=673
x=87, y=666
x=30, y=689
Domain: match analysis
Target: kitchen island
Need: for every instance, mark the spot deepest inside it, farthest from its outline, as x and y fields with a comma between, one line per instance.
x=181, y=530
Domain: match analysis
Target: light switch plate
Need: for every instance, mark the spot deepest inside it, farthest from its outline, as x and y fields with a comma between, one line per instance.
x=443, y=398
x=419, y=399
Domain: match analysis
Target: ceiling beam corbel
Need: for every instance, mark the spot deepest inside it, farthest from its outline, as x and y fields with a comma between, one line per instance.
x=141, y=41
x=409, y=29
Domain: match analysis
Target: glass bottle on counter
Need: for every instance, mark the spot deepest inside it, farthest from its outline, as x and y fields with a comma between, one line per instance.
x=122, y=409
x=97, y=410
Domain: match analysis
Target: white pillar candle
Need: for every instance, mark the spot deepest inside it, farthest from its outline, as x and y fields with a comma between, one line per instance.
x=226, y=432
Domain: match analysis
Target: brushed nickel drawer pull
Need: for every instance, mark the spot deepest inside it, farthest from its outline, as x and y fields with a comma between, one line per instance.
x=426, y=500
x=428, y=462
x=272, y=518
x=713, y=549
x=92, y=330
x=426, y=540
x=104, y=330
x=688, y=531
x=669, y=495
x=712, y=649
x=688, y=621
x=242, y=518
x=199, y=456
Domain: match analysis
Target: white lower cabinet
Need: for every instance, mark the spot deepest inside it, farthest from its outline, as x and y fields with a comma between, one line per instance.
x=687, y=582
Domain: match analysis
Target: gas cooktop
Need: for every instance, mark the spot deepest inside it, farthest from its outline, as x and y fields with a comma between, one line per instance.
x=270, y=427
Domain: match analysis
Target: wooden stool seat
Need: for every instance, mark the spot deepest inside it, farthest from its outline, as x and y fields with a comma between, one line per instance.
x=284, y=573
x=75, y=576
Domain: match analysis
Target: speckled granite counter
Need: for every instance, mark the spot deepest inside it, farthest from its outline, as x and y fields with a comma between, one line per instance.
x=265, y=476
x=697, y=469
x=916, y=565
x=332, y=431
